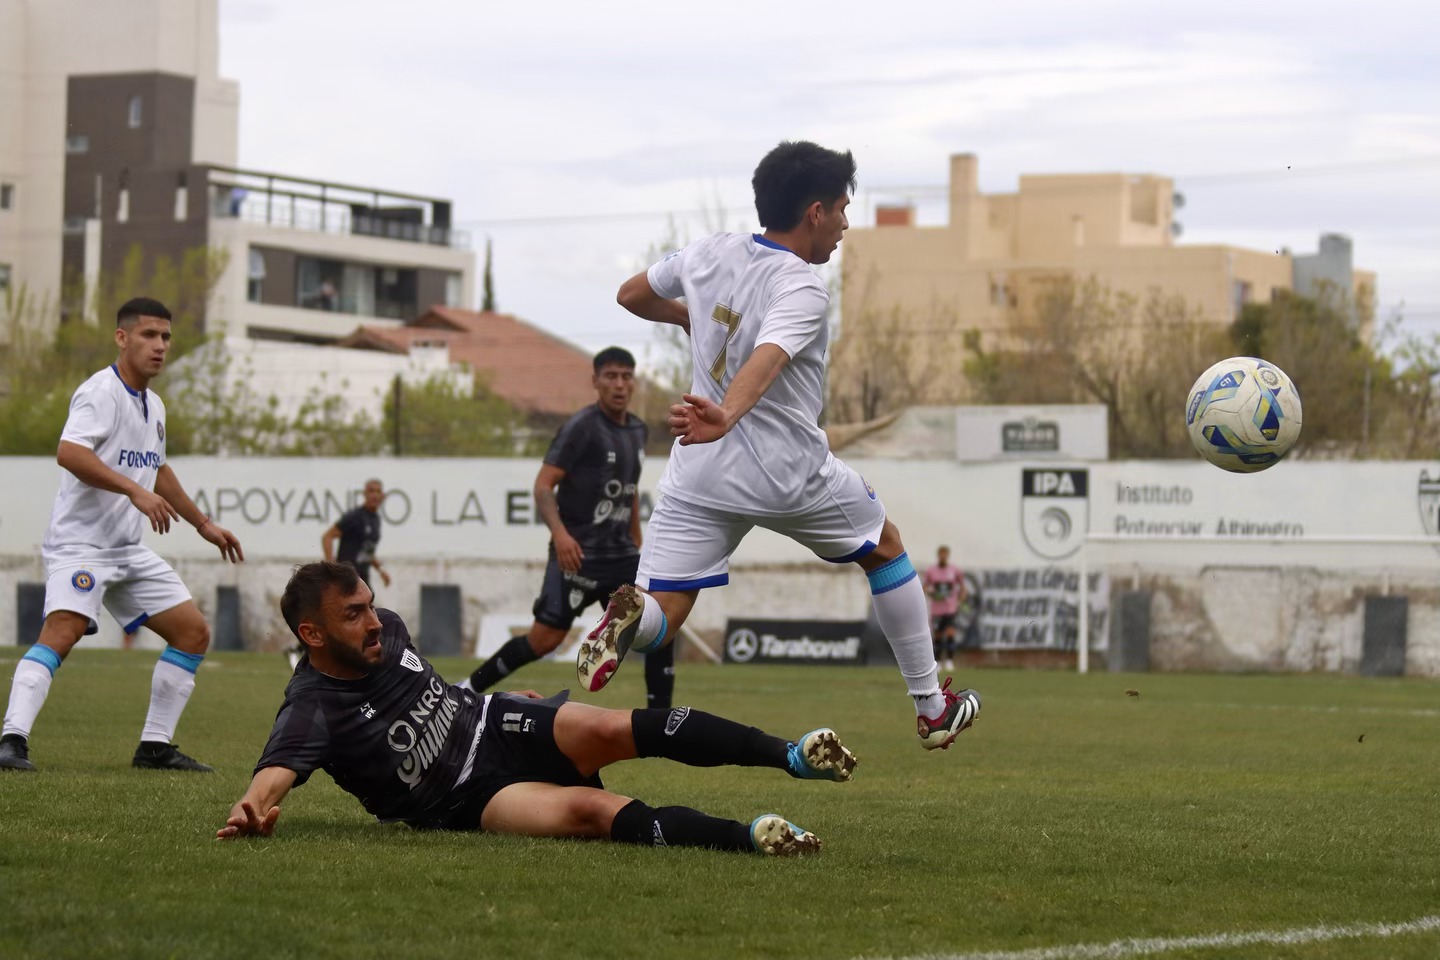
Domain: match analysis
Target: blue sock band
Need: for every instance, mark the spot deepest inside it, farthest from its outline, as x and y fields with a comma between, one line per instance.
x=189, y=662
x=659, y=638
x=44, y=656
x=896, y=573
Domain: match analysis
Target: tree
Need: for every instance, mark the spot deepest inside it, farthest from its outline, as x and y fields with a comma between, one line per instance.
x=487, y=303
x=437, y=419
x=44, y=361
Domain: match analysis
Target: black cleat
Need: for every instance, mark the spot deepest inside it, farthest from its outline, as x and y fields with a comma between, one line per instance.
x=15, y=753
x=165, y=756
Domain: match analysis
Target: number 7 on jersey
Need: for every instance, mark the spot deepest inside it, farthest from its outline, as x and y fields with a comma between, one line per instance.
x=731, y=320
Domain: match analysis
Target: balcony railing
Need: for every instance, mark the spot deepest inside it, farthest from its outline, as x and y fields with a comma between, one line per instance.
x=320, y=206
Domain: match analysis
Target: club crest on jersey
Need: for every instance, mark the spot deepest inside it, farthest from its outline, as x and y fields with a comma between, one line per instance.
x=577, y=599
x=160, y=430
x=411, y=661
x=83, y=580
x=869, y=490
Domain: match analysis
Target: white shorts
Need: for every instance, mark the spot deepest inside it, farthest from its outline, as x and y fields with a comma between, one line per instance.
x=133, y=583
x=688, y=547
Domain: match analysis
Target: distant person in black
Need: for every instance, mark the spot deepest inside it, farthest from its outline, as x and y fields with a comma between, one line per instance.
x=366, y=708
x=587, y=492
x=358, y=531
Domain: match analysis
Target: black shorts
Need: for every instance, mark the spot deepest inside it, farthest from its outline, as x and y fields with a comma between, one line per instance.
x=564, y=595
x=938, y=625
x=517, y=746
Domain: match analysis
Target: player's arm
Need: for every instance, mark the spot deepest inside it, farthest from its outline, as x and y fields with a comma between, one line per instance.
x=699, y=420
x=91, y=471
x=567, y=551
x=168, y=486
x=637, y=296
x=254, y=814
x=327, y=542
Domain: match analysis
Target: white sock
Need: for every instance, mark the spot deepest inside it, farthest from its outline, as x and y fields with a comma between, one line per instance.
x=904, y=618
x=170, y=687
x=649, y=636
x=29, y=688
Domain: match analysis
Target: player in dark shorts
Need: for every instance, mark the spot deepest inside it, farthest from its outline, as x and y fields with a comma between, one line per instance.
x=587, y=492
x=366, y=708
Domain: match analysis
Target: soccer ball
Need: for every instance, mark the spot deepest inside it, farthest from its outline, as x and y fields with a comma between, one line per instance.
x=1243, y=414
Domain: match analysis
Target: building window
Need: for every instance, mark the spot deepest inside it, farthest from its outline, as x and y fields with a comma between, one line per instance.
x=74, y=225
x=255, y=285
x=452, y=290
x=137, y=112
x=7, y=196
x=4, y=277
x=77, y=143
x=1241, y=293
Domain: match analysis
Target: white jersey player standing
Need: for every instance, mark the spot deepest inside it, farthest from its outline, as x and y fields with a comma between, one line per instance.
x=115, y=479
x=750, y=451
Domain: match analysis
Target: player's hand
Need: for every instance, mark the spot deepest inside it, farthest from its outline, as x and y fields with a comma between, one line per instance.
x=385, y=578
x=698, y=420
x=227, y=542
x=248, y=823
x=156, y=507
x=568, y=553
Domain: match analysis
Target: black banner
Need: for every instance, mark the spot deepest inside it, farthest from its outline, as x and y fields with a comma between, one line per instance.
x=794, y=641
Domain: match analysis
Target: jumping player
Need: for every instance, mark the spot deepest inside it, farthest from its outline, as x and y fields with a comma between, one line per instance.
x=587, y=492
x=365, y=707
x=750, y=450
x=116, y=477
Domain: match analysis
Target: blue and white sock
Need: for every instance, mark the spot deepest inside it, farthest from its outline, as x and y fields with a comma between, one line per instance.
x=29, y=688
x=650, y=634
x=904, y=618
x=170, y=687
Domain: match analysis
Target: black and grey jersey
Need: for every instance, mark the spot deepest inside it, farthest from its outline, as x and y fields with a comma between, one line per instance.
x=397, y=739
x=601, y=460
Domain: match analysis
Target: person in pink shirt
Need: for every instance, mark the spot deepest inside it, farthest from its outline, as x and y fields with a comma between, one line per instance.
x=945, y=586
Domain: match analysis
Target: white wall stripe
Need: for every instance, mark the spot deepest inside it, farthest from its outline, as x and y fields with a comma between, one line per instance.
x=1146, y=947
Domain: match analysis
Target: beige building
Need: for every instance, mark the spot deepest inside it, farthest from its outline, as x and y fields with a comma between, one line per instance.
x=986, y=266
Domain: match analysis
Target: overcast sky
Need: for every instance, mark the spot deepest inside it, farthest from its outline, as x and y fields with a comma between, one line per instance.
x=566, y=132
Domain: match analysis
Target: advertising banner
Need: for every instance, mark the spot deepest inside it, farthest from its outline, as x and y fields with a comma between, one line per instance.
x=794, y=641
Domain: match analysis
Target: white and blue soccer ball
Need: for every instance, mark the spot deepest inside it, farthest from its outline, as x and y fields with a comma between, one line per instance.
x=1243, y=414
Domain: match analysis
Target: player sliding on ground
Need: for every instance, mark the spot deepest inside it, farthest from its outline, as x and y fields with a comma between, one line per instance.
x=750, y=450
x=365, y=707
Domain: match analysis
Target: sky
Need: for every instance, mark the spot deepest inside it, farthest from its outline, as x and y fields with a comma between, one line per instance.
x=575, y=136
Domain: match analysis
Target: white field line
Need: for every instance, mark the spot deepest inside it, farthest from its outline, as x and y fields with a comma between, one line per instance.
x=1304, y=707
x=1147, y=947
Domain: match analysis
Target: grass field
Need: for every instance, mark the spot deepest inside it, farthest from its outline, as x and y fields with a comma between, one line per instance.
x=1071, y=814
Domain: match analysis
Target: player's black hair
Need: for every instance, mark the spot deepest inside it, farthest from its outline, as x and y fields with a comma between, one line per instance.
x=305, y=593
x=618, y=356
x=796, y=174
x=132, y=310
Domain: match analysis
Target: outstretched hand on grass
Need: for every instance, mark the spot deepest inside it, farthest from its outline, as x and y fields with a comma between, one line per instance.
x=248, y=823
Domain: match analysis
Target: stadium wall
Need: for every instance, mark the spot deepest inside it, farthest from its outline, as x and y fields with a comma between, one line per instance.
x=1224, y=596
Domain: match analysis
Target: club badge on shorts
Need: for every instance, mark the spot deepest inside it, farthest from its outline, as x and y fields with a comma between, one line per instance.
x=83, y=580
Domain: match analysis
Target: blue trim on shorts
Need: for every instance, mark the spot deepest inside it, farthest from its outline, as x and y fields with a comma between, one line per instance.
x=896, y=573
x=44, y=656
x=866, y=548
x=663, y=586
x=136, y=624
x=189, y=662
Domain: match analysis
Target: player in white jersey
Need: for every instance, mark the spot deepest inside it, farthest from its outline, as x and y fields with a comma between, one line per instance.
x=115, y=479
x=749, y=449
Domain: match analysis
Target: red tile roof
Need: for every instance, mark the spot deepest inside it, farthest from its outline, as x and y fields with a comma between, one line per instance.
x=530, y=369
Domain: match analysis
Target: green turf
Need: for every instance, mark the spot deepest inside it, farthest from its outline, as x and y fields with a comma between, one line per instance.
x=1071, y=813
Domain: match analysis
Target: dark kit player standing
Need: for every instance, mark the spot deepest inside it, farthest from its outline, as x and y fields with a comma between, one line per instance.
x=587, y=492
x=358, y=531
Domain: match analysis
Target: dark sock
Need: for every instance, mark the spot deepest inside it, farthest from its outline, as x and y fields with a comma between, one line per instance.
x=511, y=657
x=702, y=739
x=660, y=678
x=677, y=827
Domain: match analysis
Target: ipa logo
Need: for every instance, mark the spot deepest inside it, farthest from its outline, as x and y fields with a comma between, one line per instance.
x=1054, y=510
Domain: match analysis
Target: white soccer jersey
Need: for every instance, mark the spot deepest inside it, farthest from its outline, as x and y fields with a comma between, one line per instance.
x=742, y=291
x=126, y=429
